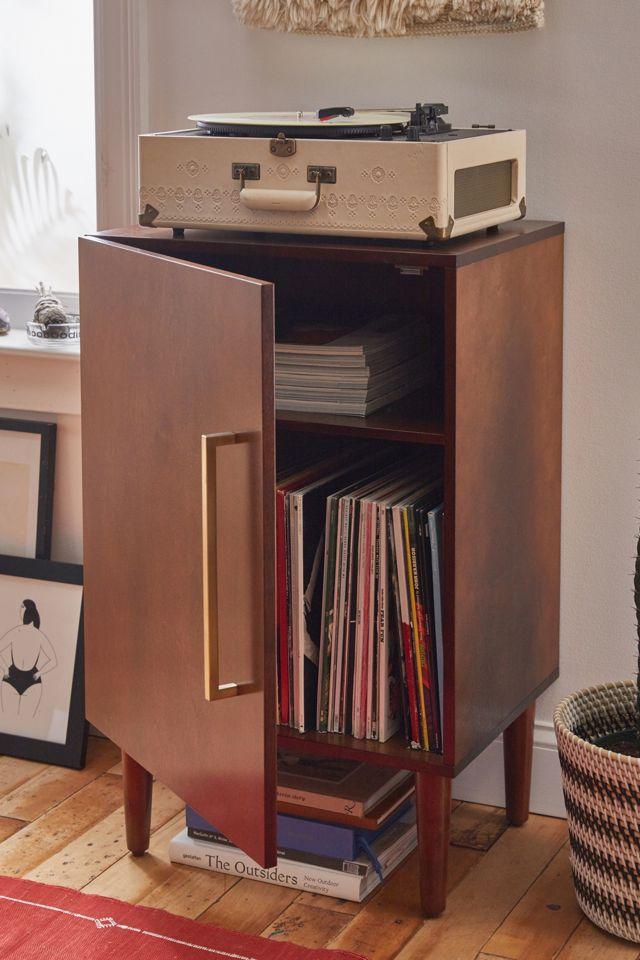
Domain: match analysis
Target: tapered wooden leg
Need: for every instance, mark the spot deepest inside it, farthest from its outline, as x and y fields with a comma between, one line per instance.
x=518, y=759
x=433, y=808
x=138, y=789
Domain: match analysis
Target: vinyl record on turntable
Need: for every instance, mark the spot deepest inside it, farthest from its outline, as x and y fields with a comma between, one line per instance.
x=327, y=123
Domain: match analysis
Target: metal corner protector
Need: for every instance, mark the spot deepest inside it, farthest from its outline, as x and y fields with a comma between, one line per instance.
x=148, y=215
x=428, y=225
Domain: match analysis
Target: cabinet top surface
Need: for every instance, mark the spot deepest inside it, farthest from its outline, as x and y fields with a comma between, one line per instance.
x=452, y=254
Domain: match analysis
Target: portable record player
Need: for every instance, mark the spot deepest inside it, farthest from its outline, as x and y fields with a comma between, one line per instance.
x=400, y=173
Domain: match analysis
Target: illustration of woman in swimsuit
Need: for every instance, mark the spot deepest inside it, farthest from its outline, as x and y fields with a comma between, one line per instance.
x=26, y=656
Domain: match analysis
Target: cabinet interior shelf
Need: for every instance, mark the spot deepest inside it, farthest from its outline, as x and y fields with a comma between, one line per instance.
x=410, y=420
x=394, y=753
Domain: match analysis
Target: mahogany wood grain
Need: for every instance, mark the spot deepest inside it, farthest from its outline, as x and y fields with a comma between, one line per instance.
x=518, y=761
x=137, y=784
x=453, y=254
x=433, y=809
x=448, y=578
x=503, y=423
x=494, y=304
x=172, y=351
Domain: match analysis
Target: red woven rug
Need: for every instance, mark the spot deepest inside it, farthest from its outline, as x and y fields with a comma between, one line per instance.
x=39, y=922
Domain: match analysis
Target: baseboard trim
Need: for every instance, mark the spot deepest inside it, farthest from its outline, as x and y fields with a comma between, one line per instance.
x=483, y=780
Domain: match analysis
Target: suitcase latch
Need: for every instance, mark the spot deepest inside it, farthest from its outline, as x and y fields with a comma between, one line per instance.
x=245, y=171
x=282, y=146
x=323, y=174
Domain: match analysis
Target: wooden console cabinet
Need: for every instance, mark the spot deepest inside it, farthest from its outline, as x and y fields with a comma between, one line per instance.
x=177, y=343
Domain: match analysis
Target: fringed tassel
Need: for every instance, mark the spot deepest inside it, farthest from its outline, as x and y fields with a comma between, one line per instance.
x=390, y=18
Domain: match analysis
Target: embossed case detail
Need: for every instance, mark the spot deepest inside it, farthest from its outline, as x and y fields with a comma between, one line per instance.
x=382, y=189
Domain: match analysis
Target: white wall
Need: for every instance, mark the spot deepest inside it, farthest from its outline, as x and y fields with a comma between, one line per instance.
x=575, y=86
x=44, y=384
x=47, y=154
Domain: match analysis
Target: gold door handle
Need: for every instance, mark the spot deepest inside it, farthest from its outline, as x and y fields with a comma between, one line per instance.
x=213, y=689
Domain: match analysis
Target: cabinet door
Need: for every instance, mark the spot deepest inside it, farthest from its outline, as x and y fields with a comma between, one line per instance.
x=179, y=531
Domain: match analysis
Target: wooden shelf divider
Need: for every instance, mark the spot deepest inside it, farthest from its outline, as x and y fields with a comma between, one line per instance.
x=410, y=420
x=396, y=752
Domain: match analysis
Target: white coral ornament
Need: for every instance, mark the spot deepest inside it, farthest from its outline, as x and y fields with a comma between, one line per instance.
x=391, y=18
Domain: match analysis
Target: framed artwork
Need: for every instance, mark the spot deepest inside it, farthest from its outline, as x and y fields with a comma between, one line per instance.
x=27, y=464
x=42, y=662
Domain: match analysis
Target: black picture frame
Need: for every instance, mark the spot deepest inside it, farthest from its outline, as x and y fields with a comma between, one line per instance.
x=47, y=432
x=73, y=752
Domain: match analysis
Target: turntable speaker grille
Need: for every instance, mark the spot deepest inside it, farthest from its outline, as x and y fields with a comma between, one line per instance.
x=485, y=187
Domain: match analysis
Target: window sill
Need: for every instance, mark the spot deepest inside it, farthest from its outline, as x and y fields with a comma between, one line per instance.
x=15, y=344
x=38, y=379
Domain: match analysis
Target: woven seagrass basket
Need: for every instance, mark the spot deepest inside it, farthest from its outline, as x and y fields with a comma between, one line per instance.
x=602, y=797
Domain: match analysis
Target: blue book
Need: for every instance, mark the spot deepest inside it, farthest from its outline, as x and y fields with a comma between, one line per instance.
x=313, y=837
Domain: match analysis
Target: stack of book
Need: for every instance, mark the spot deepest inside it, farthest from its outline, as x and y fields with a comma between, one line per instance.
x=320, y=370
x=363, y=826
x=360, y=646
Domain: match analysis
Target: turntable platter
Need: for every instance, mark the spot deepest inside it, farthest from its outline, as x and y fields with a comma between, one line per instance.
x=328, y=123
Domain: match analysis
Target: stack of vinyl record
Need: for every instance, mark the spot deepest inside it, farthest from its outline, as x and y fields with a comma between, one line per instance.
x=359, y=558
x=352, y=373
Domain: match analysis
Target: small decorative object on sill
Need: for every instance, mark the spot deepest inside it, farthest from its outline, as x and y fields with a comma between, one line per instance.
x=5, y=323
x=48, y=308
x=391, y=18
x=51, y=323
x=597, y=730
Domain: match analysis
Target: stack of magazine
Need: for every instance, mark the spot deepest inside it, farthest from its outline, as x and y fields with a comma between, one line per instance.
x=359, y=559
x=320, y=370
x=347, y=826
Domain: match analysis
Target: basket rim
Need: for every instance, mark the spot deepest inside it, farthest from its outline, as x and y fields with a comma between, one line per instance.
x=600, y=752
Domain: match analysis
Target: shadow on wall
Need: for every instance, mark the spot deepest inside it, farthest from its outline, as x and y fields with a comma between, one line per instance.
x=36, y=213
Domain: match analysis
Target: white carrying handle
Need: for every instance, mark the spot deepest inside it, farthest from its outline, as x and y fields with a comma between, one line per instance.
x=292, y=201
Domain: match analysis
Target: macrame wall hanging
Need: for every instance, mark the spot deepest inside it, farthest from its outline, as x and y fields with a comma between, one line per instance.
x=391, y=18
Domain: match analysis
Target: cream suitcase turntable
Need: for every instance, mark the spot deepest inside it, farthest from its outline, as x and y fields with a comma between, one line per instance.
x=369, y=173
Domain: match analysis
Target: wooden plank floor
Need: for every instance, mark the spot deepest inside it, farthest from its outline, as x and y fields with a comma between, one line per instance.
x=510, y=888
